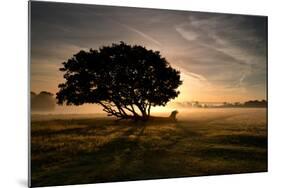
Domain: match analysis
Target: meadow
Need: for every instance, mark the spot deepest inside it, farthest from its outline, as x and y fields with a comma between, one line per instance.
x=72, y=149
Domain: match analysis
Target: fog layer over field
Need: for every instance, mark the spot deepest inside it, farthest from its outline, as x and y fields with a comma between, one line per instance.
x=184, y=113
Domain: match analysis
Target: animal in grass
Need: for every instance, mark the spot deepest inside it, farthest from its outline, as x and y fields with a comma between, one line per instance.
x=173, y=115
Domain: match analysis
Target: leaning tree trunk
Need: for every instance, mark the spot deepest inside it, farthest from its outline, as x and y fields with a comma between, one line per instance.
x=125, y=112
x=145, y=116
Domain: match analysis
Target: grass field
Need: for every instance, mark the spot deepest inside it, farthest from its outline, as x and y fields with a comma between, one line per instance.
x=88, y=149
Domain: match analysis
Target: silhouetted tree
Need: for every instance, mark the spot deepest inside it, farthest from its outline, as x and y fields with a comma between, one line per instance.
x=125, y=80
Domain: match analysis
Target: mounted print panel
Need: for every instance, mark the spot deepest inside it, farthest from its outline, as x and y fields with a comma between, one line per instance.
x=121, y=94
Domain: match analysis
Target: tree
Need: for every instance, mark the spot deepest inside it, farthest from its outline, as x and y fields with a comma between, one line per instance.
x=125, y=80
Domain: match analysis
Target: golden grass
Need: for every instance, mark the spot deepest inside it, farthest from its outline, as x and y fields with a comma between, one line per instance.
x=201, y=142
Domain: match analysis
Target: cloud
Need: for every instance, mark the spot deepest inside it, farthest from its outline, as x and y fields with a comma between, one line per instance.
x=196, y=76
x=186, y=34
x=228, y=46
x=142, y=34
x=215, y=52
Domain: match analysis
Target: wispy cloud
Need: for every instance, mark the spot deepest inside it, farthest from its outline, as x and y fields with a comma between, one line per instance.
x=186, y=34
x=219, y=56
x=223, y=42
x=142, y=34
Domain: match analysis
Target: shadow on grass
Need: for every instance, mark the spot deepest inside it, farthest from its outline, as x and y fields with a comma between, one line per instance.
x=243, y=140
x=142, y=150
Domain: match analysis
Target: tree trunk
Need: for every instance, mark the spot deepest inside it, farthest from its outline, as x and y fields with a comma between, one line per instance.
x=119, y=112
x=148, y=111
x=144, y=114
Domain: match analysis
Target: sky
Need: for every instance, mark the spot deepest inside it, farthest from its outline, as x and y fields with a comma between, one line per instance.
x=221, y=57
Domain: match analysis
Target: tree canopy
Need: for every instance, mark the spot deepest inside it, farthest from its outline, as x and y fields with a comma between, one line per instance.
x=125, y=80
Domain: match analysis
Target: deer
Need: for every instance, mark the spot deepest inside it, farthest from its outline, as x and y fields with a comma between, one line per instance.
x=173, y=115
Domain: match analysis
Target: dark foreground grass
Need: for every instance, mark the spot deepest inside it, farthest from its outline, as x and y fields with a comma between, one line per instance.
x=91, y=150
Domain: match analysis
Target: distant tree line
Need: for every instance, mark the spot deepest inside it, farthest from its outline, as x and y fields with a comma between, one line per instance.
x=197, y=104
x=250, y=103
x=247, y=104
x=256, y=103
x=43, y=101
